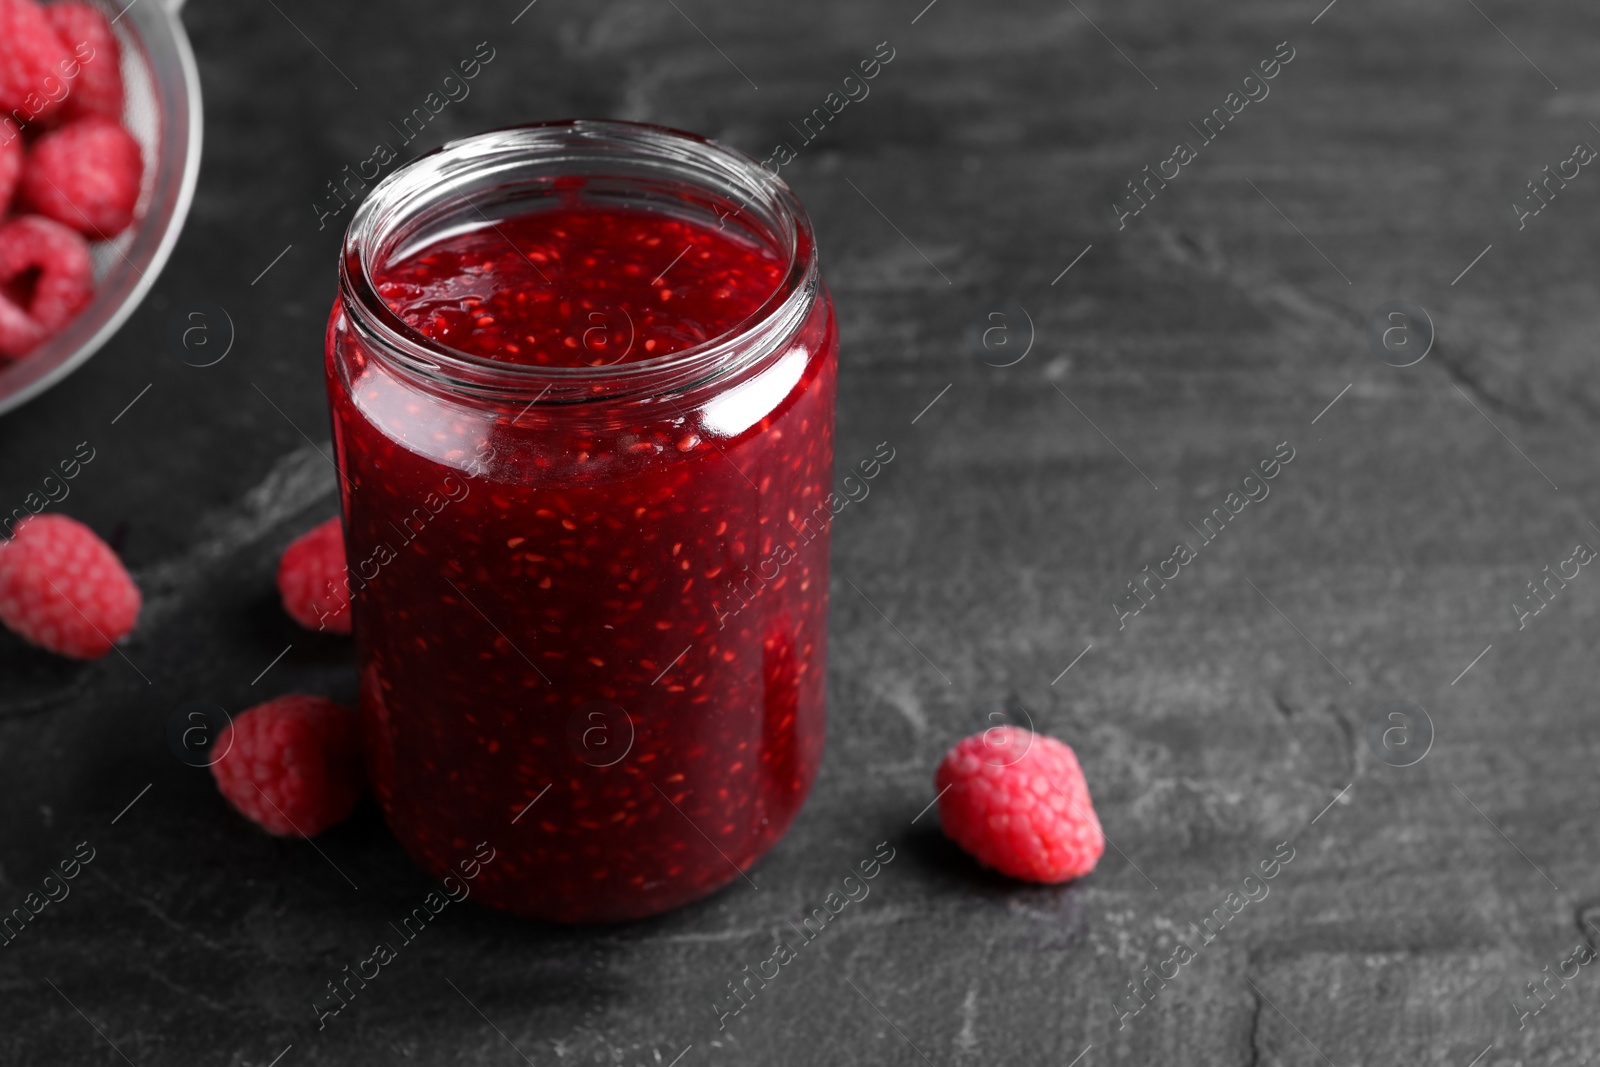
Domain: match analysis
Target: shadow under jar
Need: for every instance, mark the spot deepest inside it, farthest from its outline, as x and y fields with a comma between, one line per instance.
x=582, y=381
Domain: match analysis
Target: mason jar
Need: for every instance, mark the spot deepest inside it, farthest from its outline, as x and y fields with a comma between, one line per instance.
x=587, y=538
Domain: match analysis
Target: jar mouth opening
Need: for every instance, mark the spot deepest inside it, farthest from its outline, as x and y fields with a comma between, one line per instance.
x=473, y=181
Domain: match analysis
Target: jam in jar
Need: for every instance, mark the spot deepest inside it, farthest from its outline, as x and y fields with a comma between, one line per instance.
x=582, y=384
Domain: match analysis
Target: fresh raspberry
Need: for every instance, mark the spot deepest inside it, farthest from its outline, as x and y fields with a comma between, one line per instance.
x=292, y=765
x=62, y=588
x=11, y=156
x=97, y=90
x=85, y=175
x=34, y=64
x=1017, y=802
x=312, y=579
x=46, y=277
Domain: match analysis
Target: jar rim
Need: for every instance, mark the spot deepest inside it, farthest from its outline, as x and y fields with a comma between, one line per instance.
x=696, y=161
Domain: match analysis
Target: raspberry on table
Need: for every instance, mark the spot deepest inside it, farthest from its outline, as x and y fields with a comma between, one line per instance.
x=46, y=277
x=64, y=589
x=1017, y=802
x=97, y=90
x=33, y=63
x=85, y=175
x=292, y=765
x=312, y=579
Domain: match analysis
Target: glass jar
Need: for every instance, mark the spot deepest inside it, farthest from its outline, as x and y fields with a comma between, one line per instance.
x=590, y=601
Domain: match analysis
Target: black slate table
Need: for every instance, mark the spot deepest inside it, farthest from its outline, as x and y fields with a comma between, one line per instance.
x=1344, y=267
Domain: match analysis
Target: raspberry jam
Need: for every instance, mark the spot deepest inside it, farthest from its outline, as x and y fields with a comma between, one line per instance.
x=582, y=381
x=632, y=285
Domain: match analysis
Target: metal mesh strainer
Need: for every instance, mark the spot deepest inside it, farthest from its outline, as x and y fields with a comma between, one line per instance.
x=163, y=114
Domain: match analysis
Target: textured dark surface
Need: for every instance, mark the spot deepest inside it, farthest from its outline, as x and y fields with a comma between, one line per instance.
x=1197, y=339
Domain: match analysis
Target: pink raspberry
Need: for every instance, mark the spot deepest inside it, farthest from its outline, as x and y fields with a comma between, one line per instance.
x=1017, y=802
x=62, y=588
x=312, y=579
x=85, y=175
x=46, y=277
x=97, y=90
x=292, y=765
x=34, y=64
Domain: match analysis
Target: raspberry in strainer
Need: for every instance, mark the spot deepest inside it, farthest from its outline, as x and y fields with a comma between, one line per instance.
x=85, y=175
x=97, y=90
x=34, y=65
x=46, y=277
